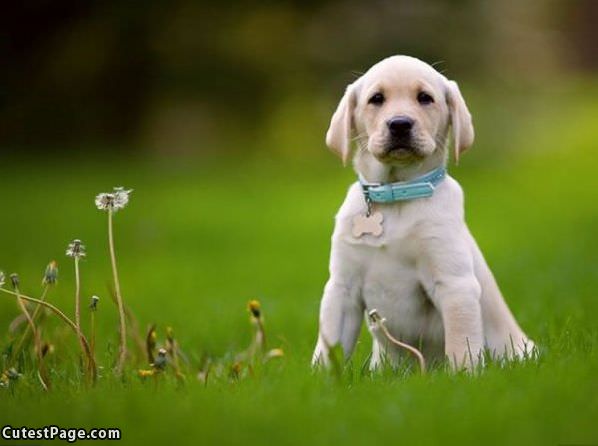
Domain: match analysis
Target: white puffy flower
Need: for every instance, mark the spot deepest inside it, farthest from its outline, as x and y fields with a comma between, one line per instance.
x=114, y=201
x=76, y=249
x=104, y=201
x=121, y=197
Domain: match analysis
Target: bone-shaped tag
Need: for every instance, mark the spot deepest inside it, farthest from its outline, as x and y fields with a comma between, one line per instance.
x=362, y=224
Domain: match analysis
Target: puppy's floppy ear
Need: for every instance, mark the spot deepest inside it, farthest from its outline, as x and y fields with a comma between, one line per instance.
x=338, y=136
x=460, y=118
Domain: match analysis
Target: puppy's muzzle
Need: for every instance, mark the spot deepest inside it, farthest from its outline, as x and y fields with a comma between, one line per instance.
x=400, y=131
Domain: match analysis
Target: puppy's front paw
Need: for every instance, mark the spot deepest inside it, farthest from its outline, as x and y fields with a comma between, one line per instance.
x=321, y=356
x=525, y=349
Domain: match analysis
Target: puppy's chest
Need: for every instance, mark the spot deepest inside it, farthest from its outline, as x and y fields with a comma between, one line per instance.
x=380, y=264
x=392, y=231
x=384, y=269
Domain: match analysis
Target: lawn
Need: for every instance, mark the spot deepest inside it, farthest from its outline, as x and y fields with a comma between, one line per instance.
x=200, y=238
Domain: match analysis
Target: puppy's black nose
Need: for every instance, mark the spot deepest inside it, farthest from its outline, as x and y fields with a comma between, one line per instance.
x=400, y=126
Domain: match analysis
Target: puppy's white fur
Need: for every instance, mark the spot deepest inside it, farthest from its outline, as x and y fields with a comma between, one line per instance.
x=425, y=274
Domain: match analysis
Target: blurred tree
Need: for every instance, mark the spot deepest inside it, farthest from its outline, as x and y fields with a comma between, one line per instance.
x=76, y=70
x=170, y=74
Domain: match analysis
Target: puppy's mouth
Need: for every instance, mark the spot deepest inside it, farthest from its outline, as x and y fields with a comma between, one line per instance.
x=401, y=150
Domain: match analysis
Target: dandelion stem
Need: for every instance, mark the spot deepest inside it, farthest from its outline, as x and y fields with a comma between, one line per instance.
x=77, y=295
x=260, y=336
x=36, y=339
x=70, y=323
x=92, y=336
x=78, y=303
x=413, y=350
x=38, y=308
x=379, y=322
x=259, y=342
x=34, y=317
x=132, y=325
x=122, y=351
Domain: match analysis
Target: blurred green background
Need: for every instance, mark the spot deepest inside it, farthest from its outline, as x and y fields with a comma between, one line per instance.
x=215, y=114
x=196, y=77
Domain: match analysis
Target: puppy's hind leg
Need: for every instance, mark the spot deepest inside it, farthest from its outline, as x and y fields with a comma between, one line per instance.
x=341, y=313
x=504, y=337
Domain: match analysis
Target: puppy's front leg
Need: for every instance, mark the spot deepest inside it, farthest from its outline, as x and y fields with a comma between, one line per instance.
x=458, y=300
x=341, y=314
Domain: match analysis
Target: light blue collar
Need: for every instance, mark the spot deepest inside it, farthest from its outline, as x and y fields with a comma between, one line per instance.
x=419, y=187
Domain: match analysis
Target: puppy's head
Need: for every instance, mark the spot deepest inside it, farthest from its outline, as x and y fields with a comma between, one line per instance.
x=400, y=111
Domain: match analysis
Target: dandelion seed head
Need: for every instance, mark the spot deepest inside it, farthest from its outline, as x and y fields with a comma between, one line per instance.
x=93, y=305
x=160, y=362
x=14, y=280
x=9, y=375
x=113, y=201
x=121, y=197
x=76, y=249
x=104, y=201
x=253, y=306
x=374, y=316
x=51, y=274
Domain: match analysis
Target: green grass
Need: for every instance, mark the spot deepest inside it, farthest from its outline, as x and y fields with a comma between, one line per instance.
x=200, y=239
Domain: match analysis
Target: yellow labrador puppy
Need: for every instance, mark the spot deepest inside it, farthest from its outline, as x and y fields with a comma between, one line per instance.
x=400, y=244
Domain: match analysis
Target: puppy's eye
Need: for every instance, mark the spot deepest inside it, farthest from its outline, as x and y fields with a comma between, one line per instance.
x=376, y=99
x=424, y=98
